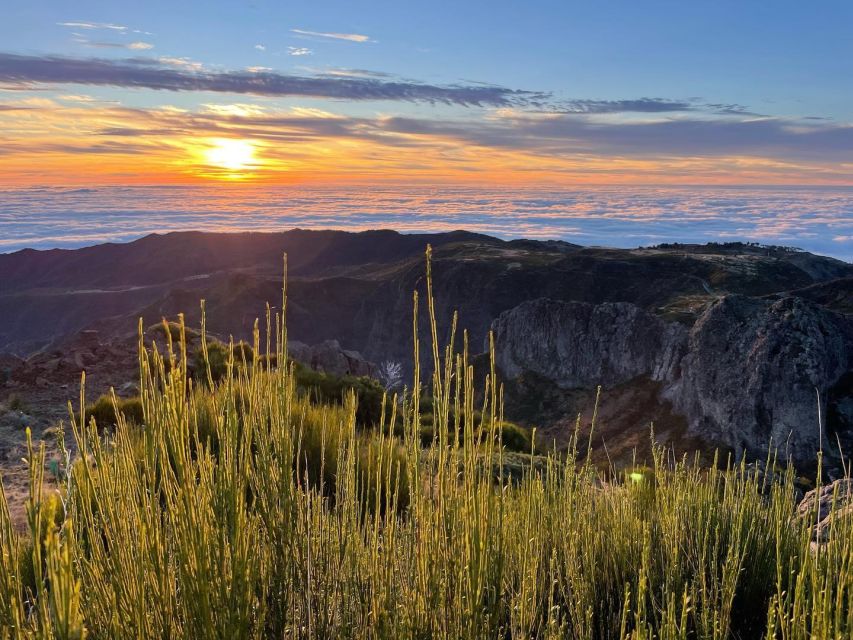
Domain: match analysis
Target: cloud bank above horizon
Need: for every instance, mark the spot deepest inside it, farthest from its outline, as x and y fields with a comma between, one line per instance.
x=817, y=219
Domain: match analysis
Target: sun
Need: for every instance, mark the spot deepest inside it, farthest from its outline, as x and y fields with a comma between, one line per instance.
x=236, y=156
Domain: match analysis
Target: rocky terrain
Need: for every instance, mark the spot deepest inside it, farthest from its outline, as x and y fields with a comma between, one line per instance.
x=716, y=344
x=750, y=373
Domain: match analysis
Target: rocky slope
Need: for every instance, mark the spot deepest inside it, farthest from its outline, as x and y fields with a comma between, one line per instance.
x=748, y=373
x=576, y=344
x=641, y=307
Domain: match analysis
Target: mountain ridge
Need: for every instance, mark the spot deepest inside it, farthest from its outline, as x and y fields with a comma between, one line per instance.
x=356, y=289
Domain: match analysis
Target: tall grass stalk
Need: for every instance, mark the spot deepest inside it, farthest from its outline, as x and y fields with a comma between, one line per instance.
x=243, y=509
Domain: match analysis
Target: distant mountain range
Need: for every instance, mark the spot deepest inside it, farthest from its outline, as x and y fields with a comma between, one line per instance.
x=720, y=344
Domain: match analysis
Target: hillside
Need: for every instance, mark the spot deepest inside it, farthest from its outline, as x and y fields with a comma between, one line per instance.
x=247, y=509
x=64, y=311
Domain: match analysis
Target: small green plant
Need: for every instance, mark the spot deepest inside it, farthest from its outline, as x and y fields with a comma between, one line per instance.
x=328, y=388
x=106, y=411
x=215, y=359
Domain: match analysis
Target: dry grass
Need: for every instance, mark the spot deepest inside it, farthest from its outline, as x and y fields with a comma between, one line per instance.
x=241, y=509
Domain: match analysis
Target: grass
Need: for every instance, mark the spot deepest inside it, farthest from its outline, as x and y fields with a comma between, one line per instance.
x=245, y=509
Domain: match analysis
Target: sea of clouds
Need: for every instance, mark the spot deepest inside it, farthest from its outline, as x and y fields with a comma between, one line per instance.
x=817, y=219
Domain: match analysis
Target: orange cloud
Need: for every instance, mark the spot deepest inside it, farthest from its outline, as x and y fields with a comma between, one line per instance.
x=83, y=141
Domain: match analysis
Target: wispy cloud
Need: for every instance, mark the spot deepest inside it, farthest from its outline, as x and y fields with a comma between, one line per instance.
x=732, y=109
x=37, y=70
x=130, y=46
x=93, y=25
x=299, y=51
x=639, y=105
x=515, y=147
x=87, y=100
x=351, y=37
x=569, y=134
x=652, y=105
x=343, y=72
x=183, y=63
x=260, y=47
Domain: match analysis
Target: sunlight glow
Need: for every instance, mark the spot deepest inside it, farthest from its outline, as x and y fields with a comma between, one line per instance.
x=236, y=156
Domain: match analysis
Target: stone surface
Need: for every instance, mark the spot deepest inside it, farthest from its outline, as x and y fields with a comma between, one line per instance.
x=829, y=506
x=746, y=375
x=330, y=357
x=753, y=372
x=575, y=344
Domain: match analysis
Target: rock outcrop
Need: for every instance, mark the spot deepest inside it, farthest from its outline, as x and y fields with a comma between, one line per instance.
x=746, y=375
x=829, y=506
x=575, y=344
x=754, y=371
x=330, y=357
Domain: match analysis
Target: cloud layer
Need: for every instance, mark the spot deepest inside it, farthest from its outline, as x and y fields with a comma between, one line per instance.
x=816, y=219
x=150, y=74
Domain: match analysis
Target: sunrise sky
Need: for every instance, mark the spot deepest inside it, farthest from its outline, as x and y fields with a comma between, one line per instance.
x=544, y=92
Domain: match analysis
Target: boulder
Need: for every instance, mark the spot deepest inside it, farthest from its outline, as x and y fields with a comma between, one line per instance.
x=830, y=506
x=839, y=491
x=330, y=357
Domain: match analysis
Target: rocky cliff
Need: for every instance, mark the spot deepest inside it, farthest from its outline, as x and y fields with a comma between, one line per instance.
x=576, y=344
x=748, y=373
x=754, y=371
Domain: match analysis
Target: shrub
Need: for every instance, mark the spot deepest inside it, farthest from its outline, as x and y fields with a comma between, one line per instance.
x=216, y=361
x=218, y=356
x=516, y=438
x=328, y=388
x=513, y=437
x=51, y=518
x=104, y=411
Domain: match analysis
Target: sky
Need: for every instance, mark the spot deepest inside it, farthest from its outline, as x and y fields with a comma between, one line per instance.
x=427, y=93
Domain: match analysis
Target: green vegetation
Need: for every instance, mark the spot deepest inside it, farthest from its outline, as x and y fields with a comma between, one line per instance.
x=246, y=509
x=174, y=330
x=15, y=403
x=326, y=388
x=106, y=411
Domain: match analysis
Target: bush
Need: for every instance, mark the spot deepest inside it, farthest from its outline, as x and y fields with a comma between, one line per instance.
x=104, y=411
x=216, y=361
x=218, y=356
x=513, y=437
x=328, y=388
x=52, y=515
x=516, y=438
x=174, y=328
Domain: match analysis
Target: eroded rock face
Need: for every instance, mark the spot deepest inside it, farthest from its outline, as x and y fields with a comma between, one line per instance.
x=330, y=357
x=746, y=375
x=753, y=371
x=575, y=344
